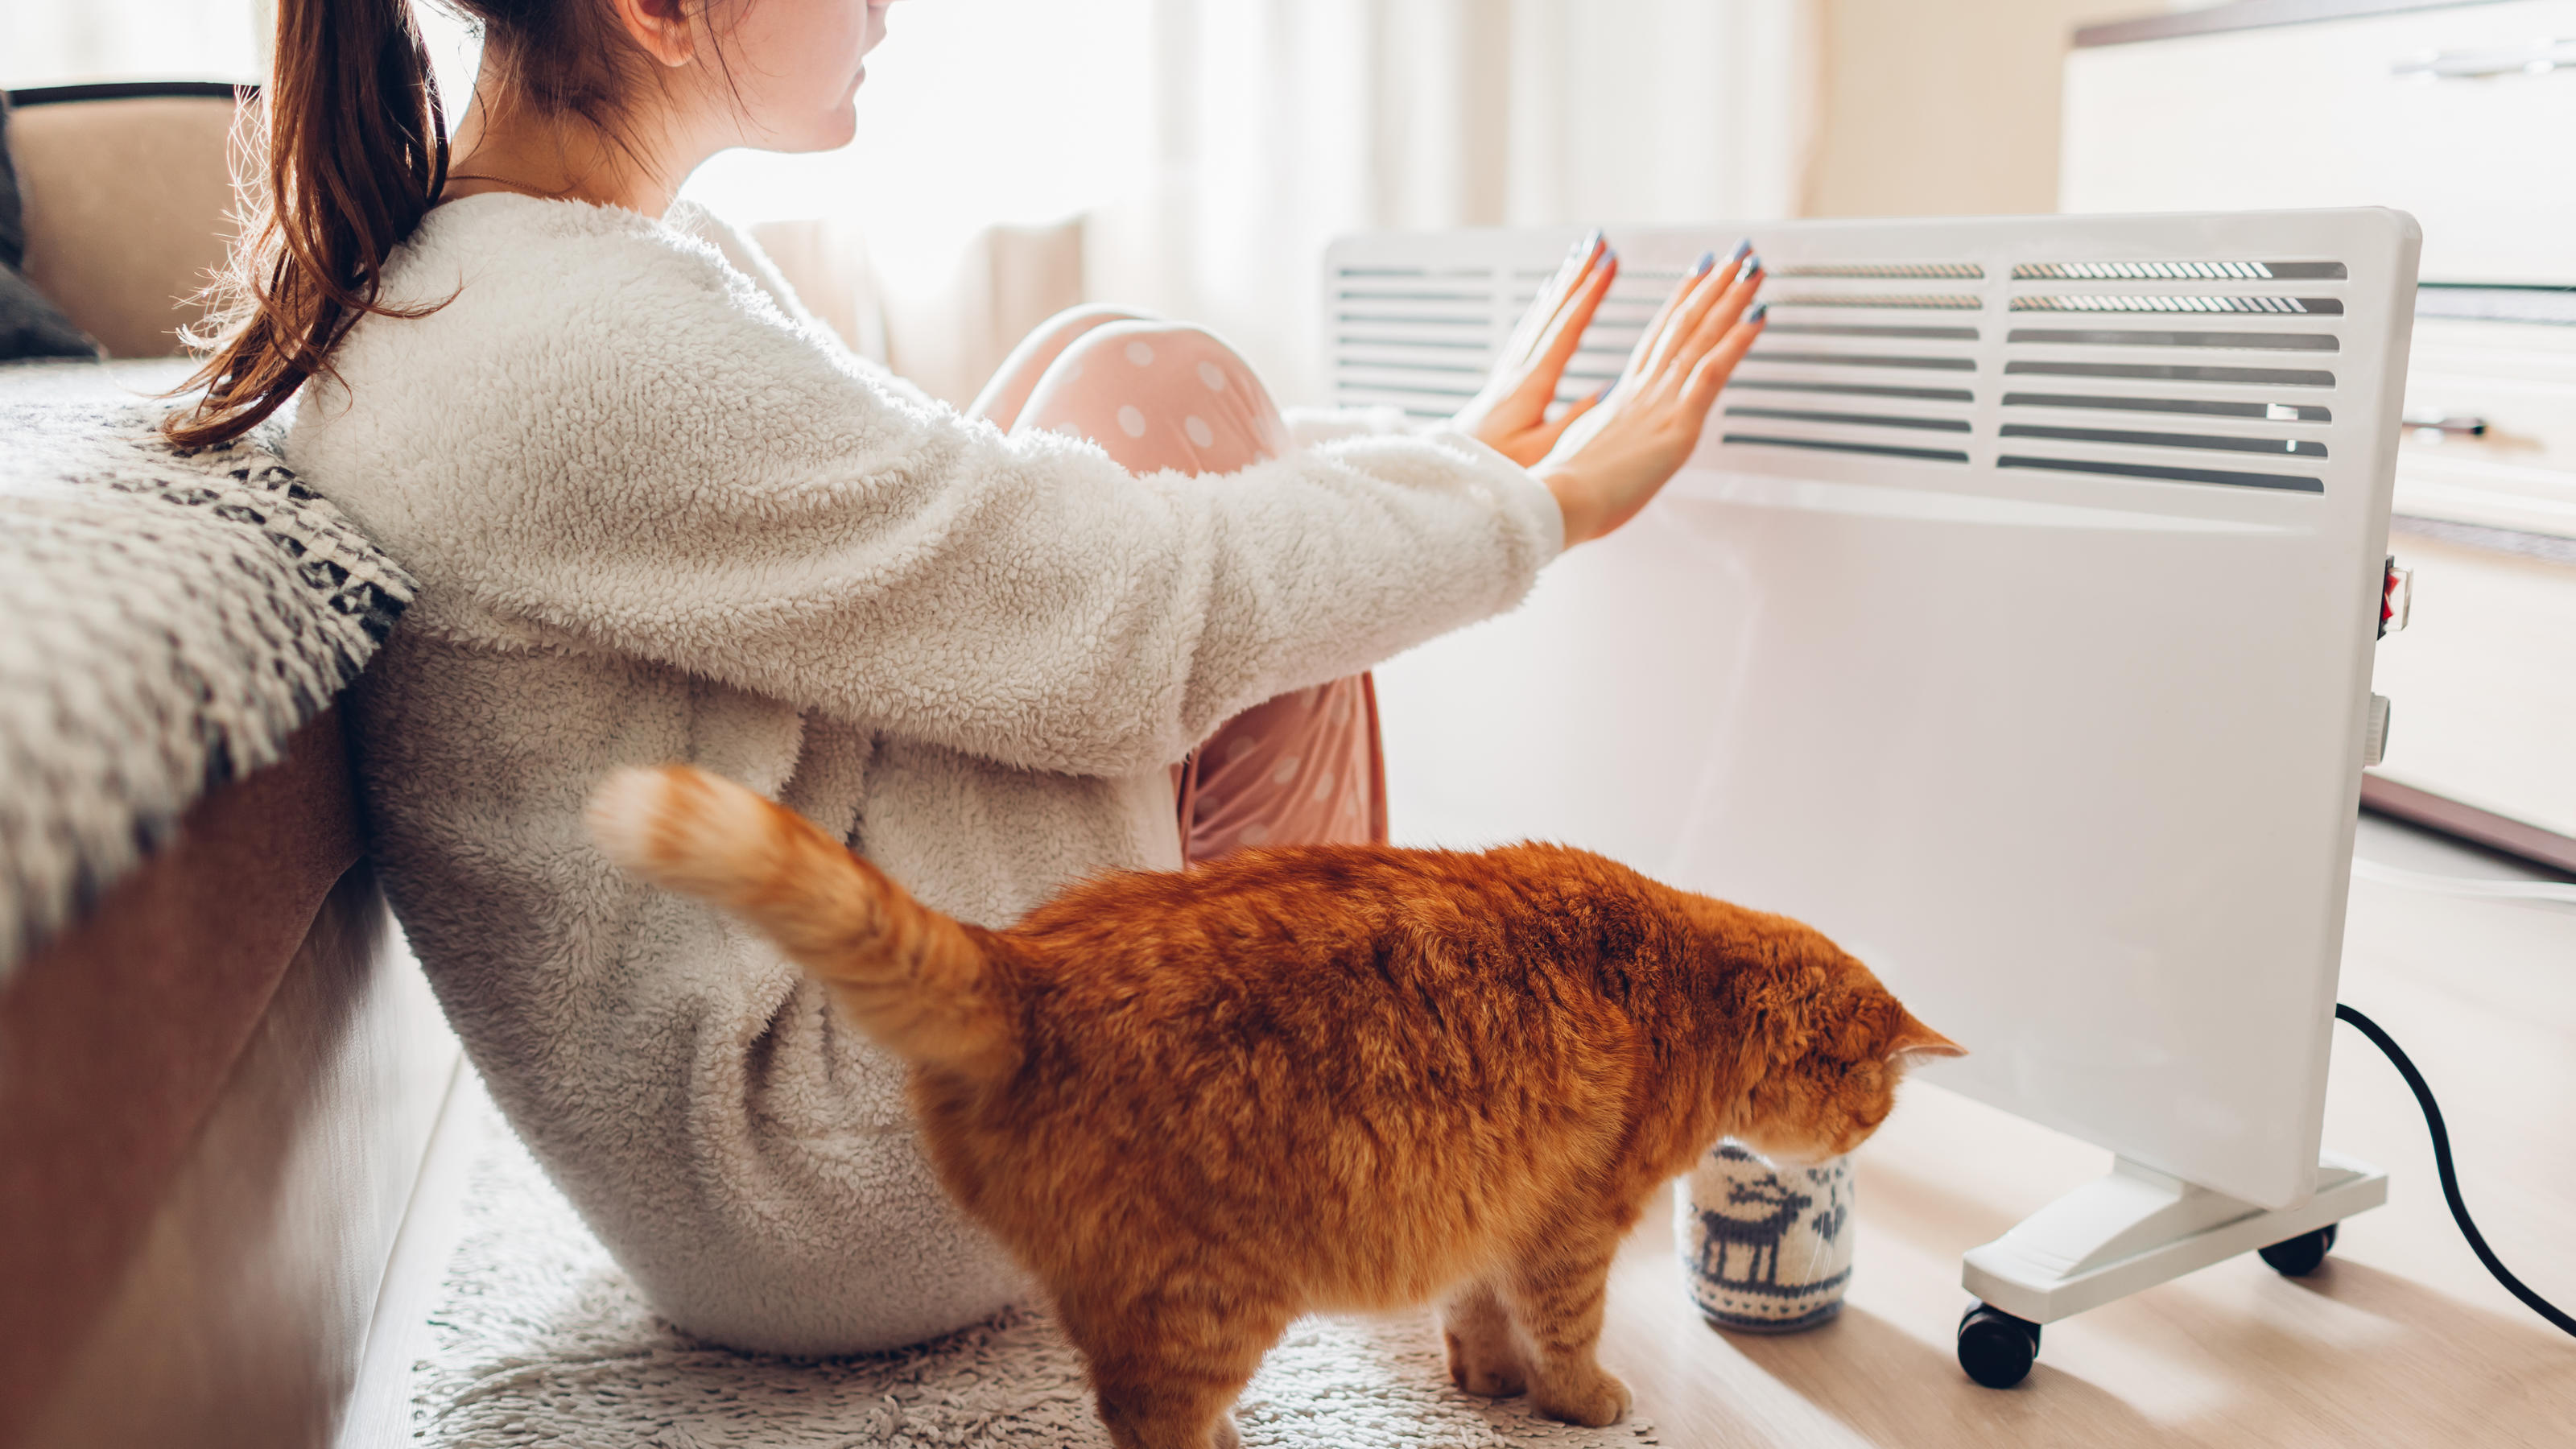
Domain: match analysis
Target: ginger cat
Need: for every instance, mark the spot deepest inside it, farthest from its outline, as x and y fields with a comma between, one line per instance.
x=1198, y=1105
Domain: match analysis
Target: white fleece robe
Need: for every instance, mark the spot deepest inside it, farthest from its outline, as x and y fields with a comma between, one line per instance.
x=656, y=514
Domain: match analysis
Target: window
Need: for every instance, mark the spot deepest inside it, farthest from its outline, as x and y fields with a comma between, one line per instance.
x=62, y=42
x=974, y=112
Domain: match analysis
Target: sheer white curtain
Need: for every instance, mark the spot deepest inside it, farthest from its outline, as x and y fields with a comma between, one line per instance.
x=1215, y=146
x=975, y=113
x=1280, y=124
x=60, y=42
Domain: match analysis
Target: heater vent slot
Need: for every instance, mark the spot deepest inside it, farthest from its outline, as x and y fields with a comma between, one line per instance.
x=1850, y=389
x=2293, y=447
x=2199, y=407
x=1857, y=420
x=2242, y=341
x=2179, y=271
x=2269, y=306
x=1892, y=301
x=1415, y=338
x=2158, y=471
x=1840, y=445
x=1862, y=359
x=2174, y=372
x=1887, y=271
x=1906, y=334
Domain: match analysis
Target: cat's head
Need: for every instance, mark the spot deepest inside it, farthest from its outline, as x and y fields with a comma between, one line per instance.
x=1826, y=1045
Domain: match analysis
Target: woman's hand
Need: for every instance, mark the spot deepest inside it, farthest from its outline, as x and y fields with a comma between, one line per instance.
x=1510, y=415
x=1612, y=459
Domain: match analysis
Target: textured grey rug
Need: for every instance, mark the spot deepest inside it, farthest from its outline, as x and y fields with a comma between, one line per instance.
x=539, y=1340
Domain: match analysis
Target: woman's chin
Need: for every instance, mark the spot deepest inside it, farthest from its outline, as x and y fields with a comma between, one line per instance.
x=825, y=133
x=843, y=123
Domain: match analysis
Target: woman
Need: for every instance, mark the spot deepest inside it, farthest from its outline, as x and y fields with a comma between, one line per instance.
x=656, y=515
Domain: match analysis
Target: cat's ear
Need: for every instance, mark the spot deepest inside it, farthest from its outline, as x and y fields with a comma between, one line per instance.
x=1914, y=1042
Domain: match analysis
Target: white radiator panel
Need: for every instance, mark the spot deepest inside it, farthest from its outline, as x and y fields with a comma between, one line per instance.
x=2013, y=625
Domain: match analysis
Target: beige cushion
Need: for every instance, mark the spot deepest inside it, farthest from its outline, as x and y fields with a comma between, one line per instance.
x=127, y=211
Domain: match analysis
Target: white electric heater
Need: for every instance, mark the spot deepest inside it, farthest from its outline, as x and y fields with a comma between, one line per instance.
x=2013, y=625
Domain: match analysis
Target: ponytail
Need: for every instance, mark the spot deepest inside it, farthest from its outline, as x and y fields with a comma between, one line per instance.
x=355, y=145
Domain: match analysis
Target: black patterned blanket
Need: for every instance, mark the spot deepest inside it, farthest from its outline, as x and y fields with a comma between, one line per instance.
x=167, y=620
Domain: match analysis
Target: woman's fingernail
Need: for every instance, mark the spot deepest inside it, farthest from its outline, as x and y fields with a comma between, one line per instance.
x=1755, y=313
x=1743, y=249
x=1752, y=264
x=1706, y=261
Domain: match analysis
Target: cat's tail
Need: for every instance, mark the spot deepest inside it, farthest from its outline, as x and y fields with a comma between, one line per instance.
x=918, y=982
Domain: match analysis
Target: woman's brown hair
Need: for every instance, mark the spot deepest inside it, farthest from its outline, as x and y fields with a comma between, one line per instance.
x=341, y=156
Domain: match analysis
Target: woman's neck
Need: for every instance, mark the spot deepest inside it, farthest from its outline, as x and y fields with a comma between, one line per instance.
x=505, y=146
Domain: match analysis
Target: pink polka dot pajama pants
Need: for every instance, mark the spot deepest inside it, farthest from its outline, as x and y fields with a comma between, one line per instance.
x=1305, y=768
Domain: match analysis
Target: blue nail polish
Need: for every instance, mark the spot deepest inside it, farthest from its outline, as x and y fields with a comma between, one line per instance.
x=1742, y=250
x=1706, y=261
x=1757, y=312
x=1752, y=264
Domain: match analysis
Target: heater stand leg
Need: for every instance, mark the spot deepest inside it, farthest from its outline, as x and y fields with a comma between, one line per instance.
x=2138, y=1227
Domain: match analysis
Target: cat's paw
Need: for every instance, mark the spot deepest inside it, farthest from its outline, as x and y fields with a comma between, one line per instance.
x=1488, y=1370
x=1593, y=1403
x=1222, y=1435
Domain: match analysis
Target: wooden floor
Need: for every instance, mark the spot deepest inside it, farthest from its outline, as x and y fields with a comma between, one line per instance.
x=2401, y=1339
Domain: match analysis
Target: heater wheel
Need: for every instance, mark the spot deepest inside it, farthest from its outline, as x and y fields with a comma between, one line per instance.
x=1996, y=1348
x=2298, y=1257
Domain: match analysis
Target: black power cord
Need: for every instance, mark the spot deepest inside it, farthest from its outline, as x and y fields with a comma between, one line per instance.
x=2557, y=1316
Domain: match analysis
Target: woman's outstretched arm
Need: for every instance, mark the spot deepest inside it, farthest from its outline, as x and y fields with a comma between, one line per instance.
x=632, y=450
x=1606, y=457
